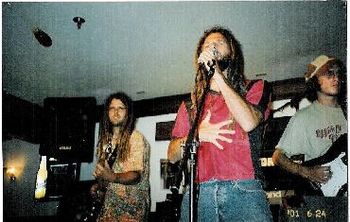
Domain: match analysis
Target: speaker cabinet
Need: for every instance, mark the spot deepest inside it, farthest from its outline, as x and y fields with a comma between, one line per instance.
x=69, y=128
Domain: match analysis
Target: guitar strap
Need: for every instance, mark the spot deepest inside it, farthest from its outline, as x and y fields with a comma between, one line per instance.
x=343, y=106
x=340, y=145
x=113, y=156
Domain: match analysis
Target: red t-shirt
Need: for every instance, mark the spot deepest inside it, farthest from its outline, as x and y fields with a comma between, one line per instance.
x=234, y=161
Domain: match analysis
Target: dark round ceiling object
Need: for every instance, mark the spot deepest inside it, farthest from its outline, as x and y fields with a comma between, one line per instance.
x=43, y=38
x=79, y=21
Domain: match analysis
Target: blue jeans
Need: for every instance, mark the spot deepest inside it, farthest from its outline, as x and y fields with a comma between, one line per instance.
x=231, y=201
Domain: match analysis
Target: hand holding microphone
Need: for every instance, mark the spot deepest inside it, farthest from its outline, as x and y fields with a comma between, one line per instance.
x=208, y=60
x=208, y=57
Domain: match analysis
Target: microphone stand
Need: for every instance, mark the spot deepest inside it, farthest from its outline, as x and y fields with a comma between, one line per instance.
x=191, y=146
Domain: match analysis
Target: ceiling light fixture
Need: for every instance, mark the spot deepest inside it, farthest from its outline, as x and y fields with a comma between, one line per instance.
x=43, y=38
x=79, y=21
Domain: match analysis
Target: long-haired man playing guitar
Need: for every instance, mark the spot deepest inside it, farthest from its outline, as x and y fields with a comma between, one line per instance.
x=127, y=197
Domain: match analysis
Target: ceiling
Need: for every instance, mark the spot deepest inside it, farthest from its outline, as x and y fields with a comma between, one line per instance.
x=146, y=48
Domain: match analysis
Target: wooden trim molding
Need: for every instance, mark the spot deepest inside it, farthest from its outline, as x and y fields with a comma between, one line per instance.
x=23, y=119
x=283, y=89
x=159, y=106
x=286, y=89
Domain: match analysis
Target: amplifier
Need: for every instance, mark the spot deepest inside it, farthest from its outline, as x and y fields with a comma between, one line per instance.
x=61, y=175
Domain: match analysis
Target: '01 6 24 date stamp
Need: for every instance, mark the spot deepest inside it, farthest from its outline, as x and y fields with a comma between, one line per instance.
x=307, y=213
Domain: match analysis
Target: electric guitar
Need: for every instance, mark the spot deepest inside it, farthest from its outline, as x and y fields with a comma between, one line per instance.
x=98, y=200
x=336, y=158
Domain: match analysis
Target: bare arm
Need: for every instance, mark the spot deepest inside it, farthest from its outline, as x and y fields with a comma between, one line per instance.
x=105, y=172
x=319, y=174
x=175, y=149
x=127, y=178
x=247, y=116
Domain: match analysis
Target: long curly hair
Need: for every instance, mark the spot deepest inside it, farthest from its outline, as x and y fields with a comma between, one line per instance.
x=235, y=77
x=127, y=127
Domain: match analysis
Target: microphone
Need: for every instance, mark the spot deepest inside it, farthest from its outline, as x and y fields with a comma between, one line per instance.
x=211, y=64
x=211, y=70
x=209, y=73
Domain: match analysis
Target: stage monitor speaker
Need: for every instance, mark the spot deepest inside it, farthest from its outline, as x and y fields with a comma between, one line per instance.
x=69, y=128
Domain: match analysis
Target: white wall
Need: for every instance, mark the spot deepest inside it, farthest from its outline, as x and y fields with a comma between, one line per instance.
x=147, y=126
x=87, y=169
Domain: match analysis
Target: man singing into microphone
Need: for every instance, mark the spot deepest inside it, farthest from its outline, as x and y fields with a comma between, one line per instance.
x=229, y=132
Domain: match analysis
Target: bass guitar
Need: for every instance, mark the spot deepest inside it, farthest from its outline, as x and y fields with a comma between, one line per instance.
x=98, y=199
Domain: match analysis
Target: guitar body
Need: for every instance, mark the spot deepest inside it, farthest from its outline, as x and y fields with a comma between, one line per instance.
x=96, y=203
x=336, y=159
x=99, y=198
x=338, y=179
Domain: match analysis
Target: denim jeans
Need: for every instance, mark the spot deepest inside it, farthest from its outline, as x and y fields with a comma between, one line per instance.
x=229, y=201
